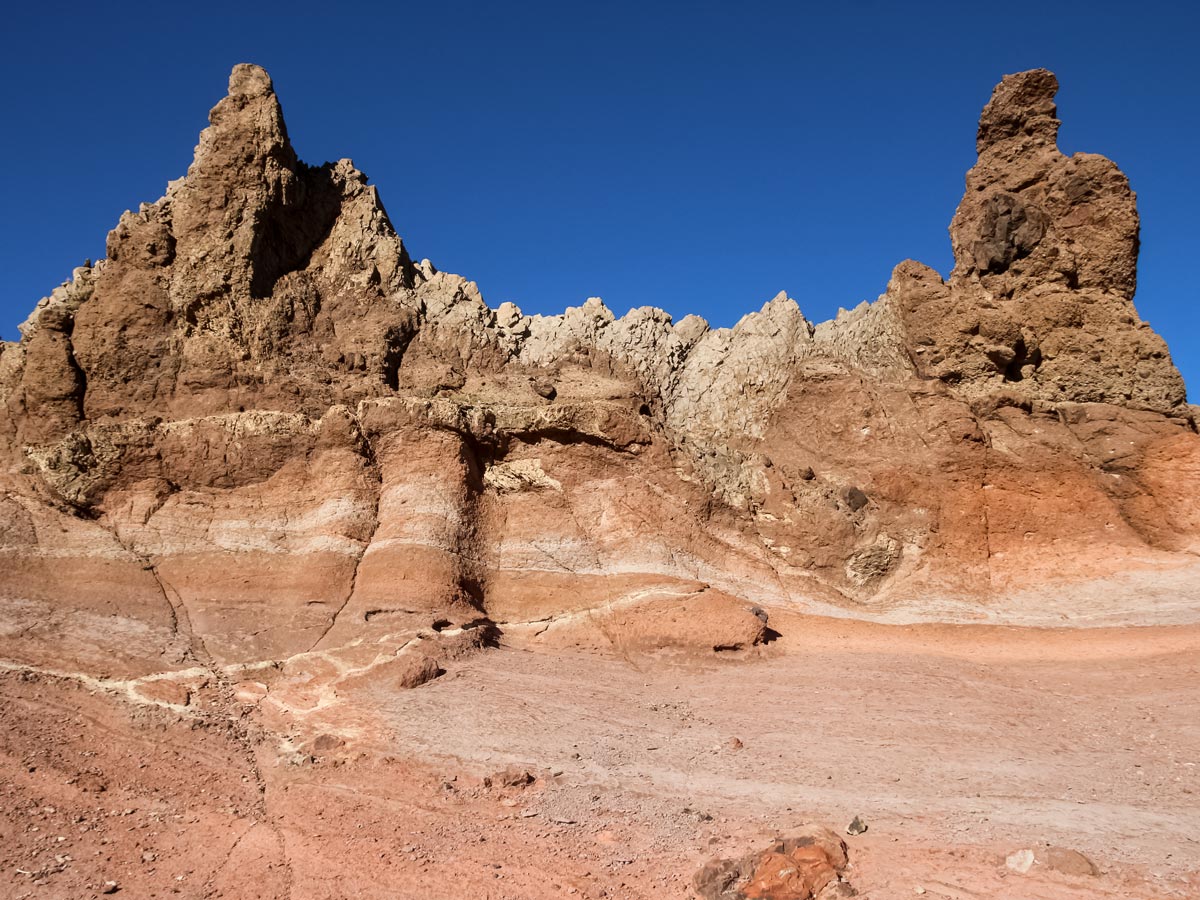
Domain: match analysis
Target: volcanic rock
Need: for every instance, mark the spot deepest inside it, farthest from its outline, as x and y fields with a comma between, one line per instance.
x=805, y=866
x=258, y=431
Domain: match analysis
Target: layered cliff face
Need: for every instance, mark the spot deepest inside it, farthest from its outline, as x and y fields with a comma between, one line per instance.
x=259, y=429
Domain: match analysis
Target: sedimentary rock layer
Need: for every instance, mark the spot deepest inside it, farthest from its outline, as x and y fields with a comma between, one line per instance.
x=260, y=429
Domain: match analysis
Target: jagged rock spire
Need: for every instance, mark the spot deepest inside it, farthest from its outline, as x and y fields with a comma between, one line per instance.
x=242, y=185
x=1045, y=250
x=246, y=128
x=1022, y=106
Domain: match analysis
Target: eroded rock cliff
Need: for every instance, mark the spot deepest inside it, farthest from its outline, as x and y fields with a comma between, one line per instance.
x=259, y=429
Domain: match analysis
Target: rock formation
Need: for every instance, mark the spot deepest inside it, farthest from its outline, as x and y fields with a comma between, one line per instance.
x=260, y=429
x=268, y=487
x=807, y=866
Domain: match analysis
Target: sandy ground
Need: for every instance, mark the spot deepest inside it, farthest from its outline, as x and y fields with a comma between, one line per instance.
x=958, y=745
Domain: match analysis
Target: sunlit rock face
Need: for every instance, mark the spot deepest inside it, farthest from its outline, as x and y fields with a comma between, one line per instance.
x=259, y=431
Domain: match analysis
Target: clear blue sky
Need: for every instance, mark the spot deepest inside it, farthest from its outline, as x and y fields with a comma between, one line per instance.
x=695, y=156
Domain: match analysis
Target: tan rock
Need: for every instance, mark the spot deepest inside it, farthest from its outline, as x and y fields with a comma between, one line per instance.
x=260, y=431
x=1066, y=861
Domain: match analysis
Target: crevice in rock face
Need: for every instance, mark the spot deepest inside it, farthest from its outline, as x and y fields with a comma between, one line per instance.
x=333, y=620
x=1100, y=470
x=181, y=623
x=567, y=436
x=288, y=233
x=368, y=451
x=226, y=703
x=470, y=539
x=985, y=502
x=1022, y=357
x=395, y=343
x=80, y=390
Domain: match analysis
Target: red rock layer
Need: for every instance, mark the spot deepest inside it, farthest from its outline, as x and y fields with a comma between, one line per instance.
x=259, y=430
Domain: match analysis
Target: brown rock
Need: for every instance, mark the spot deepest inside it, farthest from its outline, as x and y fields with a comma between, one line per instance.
x=1069, y=862
x=707, y=622
x=802, y=867
x=419, y=670
x=259, y=418
x=91, y=783
x=1045, y=270
x=165, y=691
x=544, y=388
x=510, y=777
x=323, y=743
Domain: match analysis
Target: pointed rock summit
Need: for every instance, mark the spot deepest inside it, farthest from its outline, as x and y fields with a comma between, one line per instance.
x=1041, y=297
x=244, y=196
x=261, y=397
x=1022, y=109
x=246, y=128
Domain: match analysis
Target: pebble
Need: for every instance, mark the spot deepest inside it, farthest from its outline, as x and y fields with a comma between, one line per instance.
x=1020, y=862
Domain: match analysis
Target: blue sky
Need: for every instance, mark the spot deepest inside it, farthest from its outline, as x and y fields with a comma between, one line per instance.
x=696, y=156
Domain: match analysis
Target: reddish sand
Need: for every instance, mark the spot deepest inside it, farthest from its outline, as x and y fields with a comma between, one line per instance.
x=957, y=745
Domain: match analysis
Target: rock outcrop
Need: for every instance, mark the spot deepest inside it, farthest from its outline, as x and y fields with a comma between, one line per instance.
x=260, y=429
x=805, y=866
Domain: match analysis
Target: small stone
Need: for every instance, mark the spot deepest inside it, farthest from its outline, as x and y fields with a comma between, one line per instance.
x=419, y=670
x=91, y=784
x=323, y=743
x=508, y=315
x=855, y=498
x=856, y=826
x=110, y=887
x=249, y=692
x=1068, y=862
x=1020, y=862
x=513, y=776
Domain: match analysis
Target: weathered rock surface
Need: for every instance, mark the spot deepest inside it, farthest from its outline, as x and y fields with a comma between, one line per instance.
x=805, y=866
x=259, y=431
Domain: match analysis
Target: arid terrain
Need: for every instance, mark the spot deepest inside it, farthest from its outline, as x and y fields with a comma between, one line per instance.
x=320, y=578
x=957, y=745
